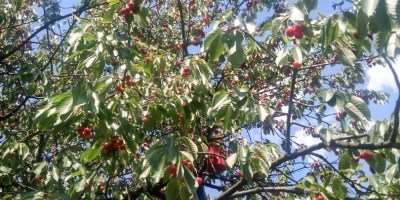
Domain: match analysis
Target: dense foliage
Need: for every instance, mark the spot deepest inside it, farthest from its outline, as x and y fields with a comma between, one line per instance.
x=155, y=99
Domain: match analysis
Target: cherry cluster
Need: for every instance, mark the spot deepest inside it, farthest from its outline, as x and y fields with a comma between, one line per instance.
x=127, y=11
x=128, y=81
x=119, y=88
x=38, y=179
x=319, y=198
x=185, y=72
x=297, y=31
x=113, y=144
x=85, y=132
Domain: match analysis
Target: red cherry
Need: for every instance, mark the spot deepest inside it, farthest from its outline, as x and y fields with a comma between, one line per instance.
x=101, y=187
x=216, y=131
x=383, y=155
x=87, y=186
x=122, y=11
x=80, y=130
x=240, y=174
x=163, y=191
x=299, y=28
x=356, y=34
x=185, y=105
x=128, y=77
x=180, y=116
x=122, y=147
x=362, y=156
x=120, y=142
x=290, y=31
x=138, y=154
x=117, y=88
x=344, y=113
x=136, y=11
x=144, y=119
x=131, y=5
x=133, y=83
x=298, y=35
x=122, y=90
x=87, y=131
x=337, y=117
x=90, y=135
x=182, y=180
x=368, y=155
x=185, y=162
x=113, y=141
x=115, y=145
x=296, y=65
x=199, y=180
x=105, y=145
x=179, y=89
x=320, y=198
x=172, y=169
x=147, y=59
x=105, y=151
x=354, y=161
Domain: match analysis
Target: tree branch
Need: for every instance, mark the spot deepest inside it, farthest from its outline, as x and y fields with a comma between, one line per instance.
x=268, y=189
x=288, y=119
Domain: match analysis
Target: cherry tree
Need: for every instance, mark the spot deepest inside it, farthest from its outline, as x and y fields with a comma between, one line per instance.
x=166, y=99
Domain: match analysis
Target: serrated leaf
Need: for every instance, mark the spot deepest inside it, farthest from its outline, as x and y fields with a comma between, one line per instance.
x=357, y=109
x=38, y=168
x=311, y=4
x=80, y=185
x=187, y=155
x=191, y=145
x=369, y=6
x=172, y=189
x=64, y=105
x=211, y=36
x=171, y=149
x=218, y=99
x=391, y=171
x=339, y=188
x=54, y=173
x=344, y=162
x=276, y=25
x=362, y=24
x=296, y=13
x=231, y=160
x=346, y=57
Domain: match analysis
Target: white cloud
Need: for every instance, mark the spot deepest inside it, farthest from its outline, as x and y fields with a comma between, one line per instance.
x=301, y=138
x=381, y=77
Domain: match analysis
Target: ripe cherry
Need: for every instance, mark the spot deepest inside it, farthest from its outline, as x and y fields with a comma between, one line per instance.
x=356, y=34
x=354, y=161
x=138, y=154
x=101, y=187
x=87, y=131
x=185, y=105
x=147, y=59
x=344, y=113
x=172, y=169
x=298, y=35
x=383, y=155
x=299, y=28
x=199, y=180
x=144, y=119
x=185, y=162
x=180, y=116
x=87, y=186
x=131, y=5
x=128, y=77
x=320, y=198
x=122, y=147
x=105, y=151
x=337, y=117
x=296, y=65
x=115, y=145
x=117, y=88
x=290, y=31
x=240, y=174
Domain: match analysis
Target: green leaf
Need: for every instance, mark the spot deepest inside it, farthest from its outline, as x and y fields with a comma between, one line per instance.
x=369, y=6
x=227, y=118
x=247, y=172
x=362, y=24
x=282, y=57
x=231, y=160
x=393, y=9
x=216, y=48
x=112, y=2
x=346, y=56
x=297, y=54
x=373, y=180
x=380, y=40
x=31, y=89
x=219, y=98
x=345, y=162
x=191, y=145
x=236, y=53
x=98, y=68
x=79, y=96
x=65, y=105
x=276, y=25
x=311, y=4
x=357, y=109
x=391, y=45
x=172, y=150
x=90, y=154
x=172, y=189
x=326, y=95
x=80, y=185
x=339, y=188
x=263, y=112
x=54, y=173
x=190, y=180
x=296, y=13
x=108, y=14
x=251, y=27
x=391, y=171
x=185, y=194
x=211, y=36
x=187, y=155
x=38, y=167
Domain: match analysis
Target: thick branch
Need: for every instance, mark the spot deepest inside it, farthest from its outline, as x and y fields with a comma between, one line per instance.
x=268, y=189
x=185, y=50
x=16, y=109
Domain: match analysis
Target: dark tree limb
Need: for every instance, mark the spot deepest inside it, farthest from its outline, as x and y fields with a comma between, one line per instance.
x=288, y=119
